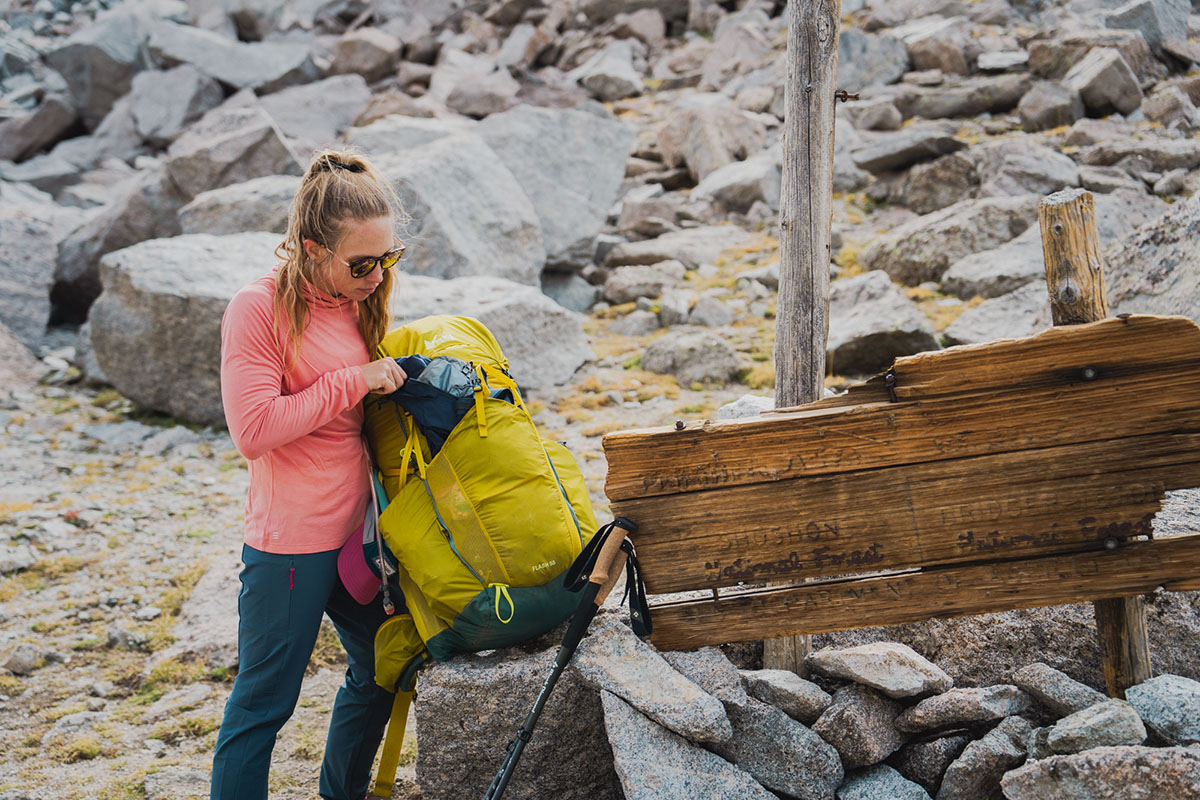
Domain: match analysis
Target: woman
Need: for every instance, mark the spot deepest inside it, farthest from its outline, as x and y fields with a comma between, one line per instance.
x=296, y=364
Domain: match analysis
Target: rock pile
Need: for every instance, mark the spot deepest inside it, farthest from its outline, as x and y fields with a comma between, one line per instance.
x=875, y=721
x=614, y=154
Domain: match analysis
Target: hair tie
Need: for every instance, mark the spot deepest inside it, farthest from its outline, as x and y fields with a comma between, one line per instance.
x=347, y=167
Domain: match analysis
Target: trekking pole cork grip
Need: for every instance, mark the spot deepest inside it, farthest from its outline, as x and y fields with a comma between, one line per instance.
x=609, y=564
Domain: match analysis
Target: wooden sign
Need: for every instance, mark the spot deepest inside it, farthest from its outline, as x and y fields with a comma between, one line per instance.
x=965, y=477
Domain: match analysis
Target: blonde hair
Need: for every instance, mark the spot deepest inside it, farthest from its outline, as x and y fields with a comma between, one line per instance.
x=339, y=186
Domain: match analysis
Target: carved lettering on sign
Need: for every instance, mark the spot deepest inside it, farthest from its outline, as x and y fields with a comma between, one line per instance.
x=746, y=569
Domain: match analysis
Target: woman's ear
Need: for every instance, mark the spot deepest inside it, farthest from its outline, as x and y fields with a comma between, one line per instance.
x=312, y=249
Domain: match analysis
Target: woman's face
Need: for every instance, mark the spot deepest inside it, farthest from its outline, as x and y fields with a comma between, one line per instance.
x=365, y=238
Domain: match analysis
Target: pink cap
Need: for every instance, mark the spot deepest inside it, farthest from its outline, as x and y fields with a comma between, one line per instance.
x=357, y=577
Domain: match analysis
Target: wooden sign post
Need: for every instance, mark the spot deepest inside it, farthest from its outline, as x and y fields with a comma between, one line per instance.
x=1075, y=280
x=805, y=216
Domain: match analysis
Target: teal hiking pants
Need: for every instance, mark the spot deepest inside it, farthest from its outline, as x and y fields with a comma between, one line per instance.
x=280, y=606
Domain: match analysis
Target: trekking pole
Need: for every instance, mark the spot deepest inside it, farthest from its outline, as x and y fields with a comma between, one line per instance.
x=604, y=575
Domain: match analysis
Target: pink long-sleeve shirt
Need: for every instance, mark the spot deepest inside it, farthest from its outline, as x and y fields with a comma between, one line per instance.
x=300, y=430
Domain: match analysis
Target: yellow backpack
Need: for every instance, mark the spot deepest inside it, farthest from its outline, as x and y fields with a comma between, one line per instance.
x=481, y=516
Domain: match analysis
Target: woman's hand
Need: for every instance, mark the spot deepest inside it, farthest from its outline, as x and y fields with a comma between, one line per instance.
x=383, y=376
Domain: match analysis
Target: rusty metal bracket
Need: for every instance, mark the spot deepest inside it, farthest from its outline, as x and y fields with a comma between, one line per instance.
x=844, y=96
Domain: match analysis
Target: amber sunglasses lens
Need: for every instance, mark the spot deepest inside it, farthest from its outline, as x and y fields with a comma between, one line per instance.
x=361, y=269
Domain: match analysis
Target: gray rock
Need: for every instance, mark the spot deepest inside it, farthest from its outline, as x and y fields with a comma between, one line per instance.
x=691, y=247
x=463, y=201
x=866, y=59
x=98, y=61
x=1021, y=166
x=1054, y=57
x=570, y=195
x=707, y=138
x=936, y=184
x=1170, y=706
x=1111, y=723
x=894, y=669
x=1170, y=287
x=23, y=135
x=313, y=115
x=263, y=66
x=626, y=284
x=654, y=763
x=977, y=772
x=399, y=134
x=1152, y=153
x=692, y=356
x=163, y=102
x=119, y=437
x=228, y=145
x=966, y=97
x=23, y=659
x=924, y=248
x=636, y=323
x=739, y=45
x=521, y=318
x=1157, y=20
x=22, y=556
x=612, y=658
x=1105, y=82
x=751, y=405
x=30, y=229
x=369, y=52
x=1049, y=104
x=906, y=147
x=860, y=724
x=1011, y=316
x=570, y=291
x=18, y=370
x=710, y=312
x=801, y=700
x=1171, y=107
x=1131, y=773
x=925, y=762
x=1058, y=692
x=880, y=782
x=569, y=756
x=937, y=43
x=1002, y=60
x=780, y=753
x=145, y=209
x=1037, y=745
x=1174, y=182
x=156, y=326
x=963, y=706
x=709, y=669
x=871, y=322
x=738, y=186
x=485, y=95
x=998, y=272
x=261, y=204
x=879, y=114
x=609, y=74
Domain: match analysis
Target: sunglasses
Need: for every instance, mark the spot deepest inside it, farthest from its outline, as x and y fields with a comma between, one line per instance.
x=362, y=267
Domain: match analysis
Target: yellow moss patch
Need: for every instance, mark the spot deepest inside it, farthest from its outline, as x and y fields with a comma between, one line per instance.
x=179, y=728
x=847, y=259
x=759, y=376
x=11, y=685
x=327, y=652
x=603, y=428
x=82, y=748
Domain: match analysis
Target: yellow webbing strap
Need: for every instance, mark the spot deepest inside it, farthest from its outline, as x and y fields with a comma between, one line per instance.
x=502, y=591
x=480, y=418
x=494, y=377
x=389, y=759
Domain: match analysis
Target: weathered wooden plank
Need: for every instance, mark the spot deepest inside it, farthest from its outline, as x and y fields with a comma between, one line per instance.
x=1149, y=388
x=1134, y=568
x=1051, y=500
